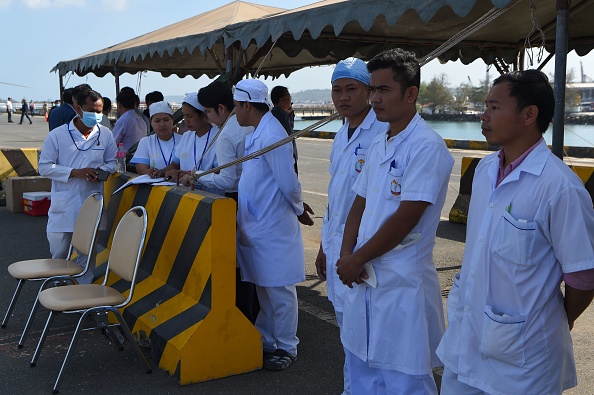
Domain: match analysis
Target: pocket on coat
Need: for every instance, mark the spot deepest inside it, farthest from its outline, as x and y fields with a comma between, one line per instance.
x=358, y=162
x=392, y=184
x=97, y=156
x=59, y=202
x=453, y=298
x=514, y=240
x=503, y=337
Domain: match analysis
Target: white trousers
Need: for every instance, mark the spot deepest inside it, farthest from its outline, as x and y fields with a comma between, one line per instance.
x=278, y=317
x=59, y=243
x=366, y=380
x=451, y=386
x=345, y=368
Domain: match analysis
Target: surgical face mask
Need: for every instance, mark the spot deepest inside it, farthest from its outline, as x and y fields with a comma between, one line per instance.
x=91, y=118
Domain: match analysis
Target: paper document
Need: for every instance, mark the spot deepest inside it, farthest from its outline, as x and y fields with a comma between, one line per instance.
x=143, y=179
x=409, y=240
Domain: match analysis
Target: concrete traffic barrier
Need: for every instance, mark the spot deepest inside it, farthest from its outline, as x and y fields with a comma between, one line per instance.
x=184, y=301
x=459, y=211
x=18, y=162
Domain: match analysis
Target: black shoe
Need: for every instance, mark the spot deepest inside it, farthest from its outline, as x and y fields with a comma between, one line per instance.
x=30, y=123
x=20, y=123
x=280, y=360
x=10, y=122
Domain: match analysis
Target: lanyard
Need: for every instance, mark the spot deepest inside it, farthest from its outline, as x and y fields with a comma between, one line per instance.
x=171, y=153
x=90, y=146
x=203, y=151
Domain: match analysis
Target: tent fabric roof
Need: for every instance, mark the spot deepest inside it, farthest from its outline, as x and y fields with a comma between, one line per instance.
x=330, y=30
x=155, y=50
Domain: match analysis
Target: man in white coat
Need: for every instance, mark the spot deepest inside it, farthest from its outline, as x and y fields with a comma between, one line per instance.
x=269, y=243
x=530, y=227
x=70, y=157
x=393, y=315
x=350, y=95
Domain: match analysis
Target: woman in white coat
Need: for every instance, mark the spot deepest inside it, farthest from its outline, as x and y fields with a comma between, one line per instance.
x=155, y=152
x=193, y=152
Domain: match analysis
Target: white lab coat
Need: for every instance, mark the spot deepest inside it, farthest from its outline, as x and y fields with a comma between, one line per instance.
x=155, y=152
x=59, y=155
x=269, y=243
x=508, y=331
x=347, y=159
x=406, y=314
x=230, y=146
x=188, y=152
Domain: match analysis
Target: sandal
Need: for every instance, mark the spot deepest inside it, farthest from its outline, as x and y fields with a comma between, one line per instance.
x=280, y=360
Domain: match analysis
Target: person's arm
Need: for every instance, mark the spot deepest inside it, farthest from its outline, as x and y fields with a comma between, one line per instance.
x=576, y=302
x=321, y=263
x=280, y=161
x=224, y=179
x=388, y=236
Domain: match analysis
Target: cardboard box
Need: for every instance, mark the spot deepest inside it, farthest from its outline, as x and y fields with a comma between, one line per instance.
x=36, y=203
x=16, y=186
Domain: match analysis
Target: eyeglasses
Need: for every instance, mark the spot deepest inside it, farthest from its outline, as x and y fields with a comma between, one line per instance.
x=242, y=90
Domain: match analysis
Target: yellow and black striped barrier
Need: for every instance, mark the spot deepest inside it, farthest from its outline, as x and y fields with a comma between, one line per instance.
x=184, y=301
x=18, y=162
x=459, y=211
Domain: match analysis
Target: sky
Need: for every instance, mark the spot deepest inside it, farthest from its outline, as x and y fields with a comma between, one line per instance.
x=36, y=38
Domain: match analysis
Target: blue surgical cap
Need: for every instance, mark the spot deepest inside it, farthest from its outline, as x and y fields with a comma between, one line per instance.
x=351, y=68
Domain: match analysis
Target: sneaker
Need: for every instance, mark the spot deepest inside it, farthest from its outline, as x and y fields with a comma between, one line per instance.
x=280, y=360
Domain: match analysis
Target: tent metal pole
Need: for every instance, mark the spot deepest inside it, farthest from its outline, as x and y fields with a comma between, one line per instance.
x=116, y=75
x=61, y=82
x=561, y=44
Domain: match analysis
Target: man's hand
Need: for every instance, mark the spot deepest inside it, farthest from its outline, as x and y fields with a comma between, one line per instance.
x=304, y=218
x=186, y=178
x=321, y=263
x=87, y=173
x=350, y=270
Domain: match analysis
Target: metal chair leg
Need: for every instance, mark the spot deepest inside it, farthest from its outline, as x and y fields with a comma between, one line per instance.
x=48, y=323
x=15, y=296
x=131, y=339
x=70, y=351
x=56, y=283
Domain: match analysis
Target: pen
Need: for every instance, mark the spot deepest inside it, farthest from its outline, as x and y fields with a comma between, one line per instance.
x=508, y=209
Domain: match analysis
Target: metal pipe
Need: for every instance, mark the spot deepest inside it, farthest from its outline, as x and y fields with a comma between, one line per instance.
x=561, y=44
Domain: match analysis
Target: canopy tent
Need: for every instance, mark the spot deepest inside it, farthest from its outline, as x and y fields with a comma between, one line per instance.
x=192, y=47
x=328, y=31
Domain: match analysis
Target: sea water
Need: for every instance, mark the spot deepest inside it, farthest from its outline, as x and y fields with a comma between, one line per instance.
x=575, y=135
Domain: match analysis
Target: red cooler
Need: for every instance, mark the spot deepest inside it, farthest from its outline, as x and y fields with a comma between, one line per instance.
x=36, y=203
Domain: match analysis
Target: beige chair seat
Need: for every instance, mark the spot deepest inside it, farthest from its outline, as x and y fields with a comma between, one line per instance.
x=79, y=297
x=43, y=268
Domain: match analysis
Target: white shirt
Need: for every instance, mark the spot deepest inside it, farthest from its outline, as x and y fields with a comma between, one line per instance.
x=230, y=146
x=508, y=330
x=269, y=243
x=8, y=105
x=129, y=129
x=154, y=152
x=191, y=148
x=406, y=314
x=347, y=159
x=59, y=155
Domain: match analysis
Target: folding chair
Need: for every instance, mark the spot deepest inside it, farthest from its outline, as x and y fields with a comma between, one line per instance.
x=61, y=271
x=99, y=299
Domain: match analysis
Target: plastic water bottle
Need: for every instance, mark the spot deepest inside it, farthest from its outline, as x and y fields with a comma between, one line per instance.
x=121, y=159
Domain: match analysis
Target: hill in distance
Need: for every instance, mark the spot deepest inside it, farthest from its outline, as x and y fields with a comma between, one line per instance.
x=310, y=96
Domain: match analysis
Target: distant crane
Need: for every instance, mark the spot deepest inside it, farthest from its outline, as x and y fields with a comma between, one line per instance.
x=585, y=78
